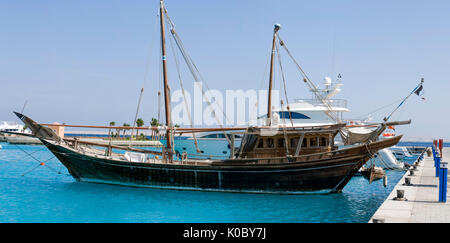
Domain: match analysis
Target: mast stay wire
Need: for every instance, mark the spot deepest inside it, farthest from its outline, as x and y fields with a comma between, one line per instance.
x=146, y=74
x=135, y=117
x=190, y=63
x=311, y=85
x=41, y=163
x=195, y=72
x=283, y=86
x=255, y=107
x=379, y=109
x=188, y=111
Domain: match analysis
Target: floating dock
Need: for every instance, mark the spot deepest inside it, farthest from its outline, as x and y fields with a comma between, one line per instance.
x=422, y=197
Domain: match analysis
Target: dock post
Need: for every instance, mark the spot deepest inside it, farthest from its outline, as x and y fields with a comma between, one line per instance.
x=434, y=151
x=437, y=163
x=443, y=182
x=378, y=221
x=441, y=145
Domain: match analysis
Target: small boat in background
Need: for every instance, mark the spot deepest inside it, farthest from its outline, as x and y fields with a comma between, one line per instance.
x=7, y=126
x=401, y=153
x=11, y=132
x=416, y=150
x=386, y=160
x=373, y=173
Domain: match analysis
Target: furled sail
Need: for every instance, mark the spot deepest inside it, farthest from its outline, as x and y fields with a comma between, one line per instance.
x=357, y=135
x=363, y=134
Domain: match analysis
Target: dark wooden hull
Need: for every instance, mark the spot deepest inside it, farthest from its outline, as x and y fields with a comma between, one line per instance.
x=327, y=173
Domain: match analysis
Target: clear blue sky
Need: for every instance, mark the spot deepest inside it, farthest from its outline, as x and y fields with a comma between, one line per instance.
x=84, y=62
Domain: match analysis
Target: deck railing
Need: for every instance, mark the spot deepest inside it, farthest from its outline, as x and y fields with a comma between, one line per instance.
x=336, y=103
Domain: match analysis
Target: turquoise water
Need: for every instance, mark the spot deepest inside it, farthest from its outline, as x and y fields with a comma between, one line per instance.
x=44, y=195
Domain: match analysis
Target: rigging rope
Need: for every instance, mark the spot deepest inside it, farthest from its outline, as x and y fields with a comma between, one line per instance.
x=404, y=100
x=379, y=109
x=311, y=85
x=282, y=103
x=284, y=85
x=184, y=94
x=41, y=163
x=255, y=107
x=135, y=117
x=195, y=72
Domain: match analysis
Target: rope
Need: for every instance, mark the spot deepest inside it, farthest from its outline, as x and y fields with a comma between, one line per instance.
x=379, y=109
x=260, y=87
x=284, y=85
x=194, y=71
x=41, y=163
x=184, y=94
x=32, y=153
x=311, y=85
x=31, y=170
x=404, y=100
x=135, y=117
x=282, y=103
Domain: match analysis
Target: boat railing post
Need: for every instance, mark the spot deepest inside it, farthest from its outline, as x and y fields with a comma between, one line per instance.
x=232, y=146
x=443, y=176
x=164, y=155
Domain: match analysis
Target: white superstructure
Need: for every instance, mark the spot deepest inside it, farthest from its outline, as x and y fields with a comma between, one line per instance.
x=7, y=126
x=301, y=112
x=307, y=112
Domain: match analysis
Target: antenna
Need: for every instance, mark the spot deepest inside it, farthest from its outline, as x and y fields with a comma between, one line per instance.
x=24, y=105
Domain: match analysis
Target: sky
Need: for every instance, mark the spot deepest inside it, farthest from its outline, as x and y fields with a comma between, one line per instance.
x=85, y=62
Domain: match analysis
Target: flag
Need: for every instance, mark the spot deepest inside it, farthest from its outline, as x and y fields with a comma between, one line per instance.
x=419, y=92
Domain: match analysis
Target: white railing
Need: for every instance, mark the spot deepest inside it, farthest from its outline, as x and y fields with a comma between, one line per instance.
x=337, y=103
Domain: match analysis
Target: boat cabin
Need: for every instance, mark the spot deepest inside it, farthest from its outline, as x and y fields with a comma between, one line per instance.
x=288, y=141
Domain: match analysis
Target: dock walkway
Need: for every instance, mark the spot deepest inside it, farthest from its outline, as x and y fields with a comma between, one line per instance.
x=422, y=205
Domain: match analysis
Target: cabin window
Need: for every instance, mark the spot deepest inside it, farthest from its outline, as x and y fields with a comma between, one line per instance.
x=261, y=143
x=294, y=142
x=281, y=143
x=313, y=142
x=270, y=142
x=323, y=141
x=293, y=115
x=304, y=143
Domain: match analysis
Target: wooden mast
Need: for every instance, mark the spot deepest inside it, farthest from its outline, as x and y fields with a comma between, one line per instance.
x=272, y=60
x=166, y=85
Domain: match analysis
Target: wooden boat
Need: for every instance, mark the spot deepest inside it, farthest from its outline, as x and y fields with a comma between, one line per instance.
x=373, y=173
x=262, y=164
x=271, y=159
